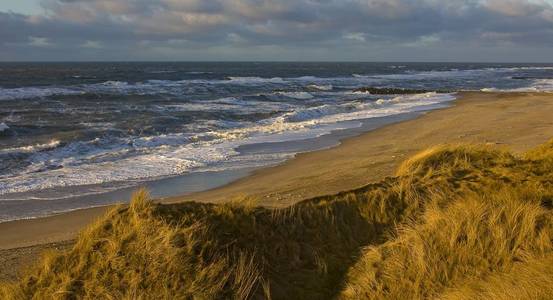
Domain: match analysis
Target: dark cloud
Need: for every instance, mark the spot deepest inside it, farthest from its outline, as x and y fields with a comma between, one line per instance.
x=280, y=29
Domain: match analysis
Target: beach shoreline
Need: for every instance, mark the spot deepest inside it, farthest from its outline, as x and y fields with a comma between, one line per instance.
x=41, y=204
x=518, y=121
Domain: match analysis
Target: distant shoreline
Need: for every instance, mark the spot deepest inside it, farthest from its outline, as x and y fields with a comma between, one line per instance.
x=515, y=120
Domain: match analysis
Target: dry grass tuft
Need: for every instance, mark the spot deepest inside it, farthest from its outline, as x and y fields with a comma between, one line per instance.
x=531, y=279
x=472, y=237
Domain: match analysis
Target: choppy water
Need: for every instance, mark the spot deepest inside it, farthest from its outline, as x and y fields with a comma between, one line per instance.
x=110, y=125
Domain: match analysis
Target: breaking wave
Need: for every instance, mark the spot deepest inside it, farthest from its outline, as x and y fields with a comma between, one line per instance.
x=35, y=92
x=537, y=85
x=310, y=83
x=137, y=158
x=326, y=87
x=296, y=95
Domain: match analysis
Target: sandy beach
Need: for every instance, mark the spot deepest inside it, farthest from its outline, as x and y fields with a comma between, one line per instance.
x=517, y=121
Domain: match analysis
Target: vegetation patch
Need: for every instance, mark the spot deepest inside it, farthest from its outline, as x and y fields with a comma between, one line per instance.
x=457, y=222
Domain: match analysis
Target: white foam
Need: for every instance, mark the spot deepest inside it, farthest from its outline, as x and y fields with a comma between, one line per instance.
x=525, y=68
x=537, y=85
x=31, y=148
x=361, y=92
x=182, y=87
x=296, y=95
x=157, y=157
x=326, y=87
x=162, y=72
x=150, y=87
x=451, y=73
x=313, y=113
x=431, y=74
x=141, y=158
x=162, y=83
x=307, y=78
x=255, y=80
x=115, y=83
x=386, y=107
x=35, y=92
x=233, y=104
x=306, y=118
x=172, y=87
x=3, y=127
x=543, y=85
x=230, y=100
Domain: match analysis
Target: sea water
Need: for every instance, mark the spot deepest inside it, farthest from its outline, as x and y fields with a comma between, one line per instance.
x=77, y=135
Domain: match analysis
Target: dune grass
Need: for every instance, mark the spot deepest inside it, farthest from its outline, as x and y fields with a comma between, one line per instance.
x=457, y=222
x=470, y=238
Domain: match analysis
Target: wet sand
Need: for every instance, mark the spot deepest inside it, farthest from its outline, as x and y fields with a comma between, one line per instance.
x=518, y=121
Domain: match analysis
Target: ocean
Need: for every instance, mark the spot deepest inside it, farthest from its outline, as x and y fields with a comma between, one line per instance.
x=77, y=135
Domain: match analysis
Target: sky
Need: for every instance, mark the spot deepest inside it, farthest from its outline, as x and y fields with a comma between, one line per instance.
x=277, y=30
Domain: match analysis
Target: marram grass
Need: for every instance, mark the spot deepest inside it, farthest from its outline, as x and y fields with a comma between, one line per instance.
x=457, y=222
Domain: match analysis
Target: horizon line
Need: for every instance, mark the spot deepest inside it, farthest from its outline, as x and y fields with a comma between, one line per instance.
x=273, y=61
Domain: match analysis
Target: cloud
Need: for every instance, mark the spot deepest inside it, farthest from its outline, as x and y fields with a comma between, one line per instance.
x=92, y=45
x=425, y=41
x=356, y=36
x=39, y=41
x=517, y=8
x=142, y=29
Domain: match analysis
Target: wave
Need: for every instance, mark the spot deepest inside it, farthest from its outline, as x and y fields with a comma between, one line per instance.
x=537, y=85
x=303, y=118
x=198, y=72
x=319, y=111
x=307, y=78
x=253, y=79
x=107, y=87
x=545, y=85
x=350, y=111
x=105, y=160
x=524, y=68
x=35, y=92
x=31, y=148
x=359, y=92
x=226, y=104
x=296, y=95
x=175, y=87
x=431, y=74
x=181, y=87
x=391, y=91
x=326, y=87
x=230, y=101
x=162, y=72
x=126, y=160
x=115, y=83
x=410, y=75
x=3, y=127
x=148, y=87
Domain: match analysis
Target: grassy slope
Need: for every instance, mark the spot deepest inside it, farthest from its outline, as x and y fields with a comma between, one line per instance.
x=456, y=222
